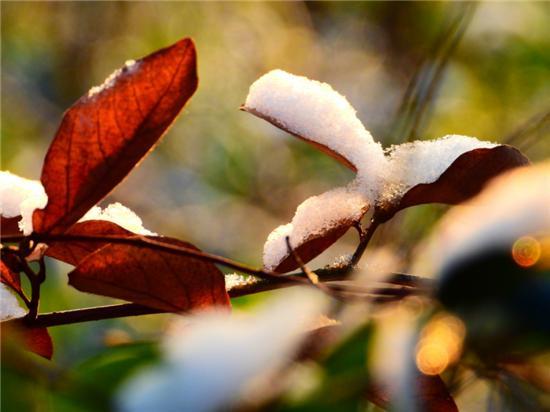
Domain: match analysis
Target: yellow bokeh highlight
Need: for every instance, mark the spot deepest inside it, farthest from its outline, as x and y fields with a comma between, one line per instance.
x=440, y=344
x=526, y=251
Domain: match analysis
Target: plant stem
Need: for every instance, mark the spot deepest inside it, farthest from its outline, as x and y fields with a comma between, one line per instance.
x=416, y=285
x=365, y=237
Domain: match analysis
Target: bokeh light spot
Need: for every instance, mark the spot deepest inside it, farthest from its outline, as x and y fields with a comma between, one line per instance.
x=440, y=344
x=526, y=251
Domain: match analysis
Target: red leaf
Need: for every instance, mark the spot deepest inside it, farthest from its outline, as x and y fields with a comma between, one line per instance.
x=9, y=271
x=463, y=179
x=18, y=335
x=325, y=149
x=106, y=133
x=74, y=252
x=158, y=279
x=39, y=341
x=10, y=226
x=313, y=247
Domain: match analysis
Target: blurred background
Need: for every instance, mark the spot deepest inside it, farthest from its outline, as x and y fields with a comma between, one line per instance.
x=223, y=179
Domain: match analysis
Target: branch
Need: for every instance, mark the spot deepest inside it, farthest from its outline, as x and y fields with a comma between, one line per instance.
x=138, y=240
x=410, y=285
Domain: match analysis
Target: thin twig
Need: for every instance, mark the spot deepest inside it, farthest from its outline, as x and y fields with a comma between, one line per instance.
x=366, y=236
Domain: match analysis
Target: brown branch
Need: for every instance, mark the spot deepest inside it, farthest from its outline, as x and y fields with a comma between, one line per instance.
x=415, y=285
x=143, y=241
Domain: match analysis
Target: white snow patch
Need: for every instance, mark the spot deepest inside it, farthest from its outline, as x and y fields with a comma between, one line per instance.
x=423, y=161
x=314, y=217
x=20, y=197
x=213, y=359
x=9, y=305
x=119, y=214
x=129, y=66
x=514, y=204
x=317, y=112
x=234, y=280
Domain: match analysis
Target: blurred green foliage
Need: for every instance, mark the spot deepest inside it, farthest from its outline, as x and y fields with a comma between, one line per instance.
x=223, y=179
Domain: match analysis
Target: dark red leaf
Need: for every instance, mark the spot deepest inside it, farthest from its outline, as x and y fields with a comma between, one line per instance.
x=106, y=133
x=158, y=279
x=9, y=271
x=10, y=226
x=463, y=179
x=39, y=341
x=312, y=247
x=16, y=334
x=325, y=149
x=74, y=252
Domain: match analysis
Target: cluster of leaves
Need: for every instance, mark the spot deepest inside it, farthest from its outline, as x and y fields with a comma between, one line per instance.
x=102, y=137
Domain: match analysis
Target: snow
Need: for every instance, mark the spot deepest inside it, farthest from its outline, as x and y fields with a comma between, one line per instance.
x=119, y=214
x=423, y=161
x=20, y=197
x=316, y=112
x=234, y=280
x=9, y=305
x=513, y=205
x=314, y=217
x=129, y=66
x=211, y=360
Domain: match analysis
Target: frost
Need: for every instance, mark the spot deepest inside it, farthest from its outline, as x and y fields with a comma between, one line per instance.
x=20, y=197
x=129, y=67
x=213, y=359
x=513, y=205
x=119, y=214
x=317, y=112
x=314, y=217
x=235, y=280
x=9, y=305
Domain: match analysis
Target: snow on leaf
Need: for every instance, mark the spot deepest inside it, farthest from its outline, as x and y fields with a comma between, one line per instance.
x=119, y=214
x=317, y=113
x=19, y=197
x=447, y=170
x=213, y=358
x=319, y=221
x=9, y=305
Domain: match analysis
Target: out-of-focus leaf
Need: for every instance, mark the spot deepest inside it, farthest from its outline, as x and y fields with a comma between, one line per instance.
x=463, y=179
x=39, y=341
x=431, y=394
x=35, y=340
x=489, y=288
x=158, y=279
x=107, y=132
x=74, y=252
x=95, y=381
